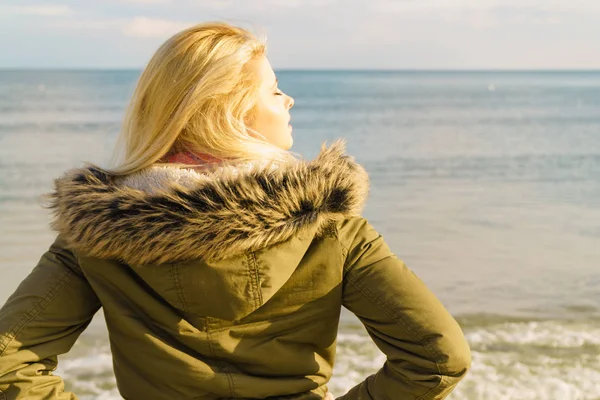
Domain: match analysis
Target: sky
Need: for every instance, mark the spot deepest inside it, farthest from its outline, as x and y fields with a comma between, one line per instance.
x=312, y=34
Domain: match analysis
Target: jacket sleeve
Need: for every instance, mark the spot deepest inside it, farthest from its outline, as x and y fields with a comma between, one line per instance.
x=41, y=320
x=426, y=351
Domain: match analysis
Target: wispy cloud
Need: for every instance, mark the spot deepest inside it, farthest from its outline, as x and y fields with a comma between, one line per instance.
x=261, y=5
x=138, y=27
x=486, y=13
x=548, y=5
x=153, y=28
x=144, y=2
x=294, y=3
x=47, y=10
x=89, y=24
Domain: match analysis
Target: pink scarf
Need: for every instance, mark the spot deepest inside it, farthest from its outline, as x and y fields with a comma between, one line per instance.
x=189, y=158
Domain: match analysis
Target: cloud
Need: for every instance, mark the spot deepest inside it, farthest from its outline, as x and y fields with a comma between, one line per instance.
x=144, y=2
x=144, y=27
x=261, y=6
x=486, y=13
x=138, y=27
x=47, y=10
x=432, y=5
x=293, y=3
x=89, y=24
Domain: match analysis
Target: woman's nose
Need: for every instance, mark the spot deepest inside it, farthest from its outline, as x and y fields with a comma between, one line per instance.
x=290, y=102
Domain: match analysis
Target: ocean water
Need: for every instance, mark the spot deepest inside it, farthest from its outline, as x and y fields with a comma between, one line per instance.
x=487, y=184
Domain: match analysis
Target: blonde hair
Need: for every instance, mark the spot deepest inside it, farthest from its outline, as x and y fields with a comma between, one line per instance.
x=195, y=94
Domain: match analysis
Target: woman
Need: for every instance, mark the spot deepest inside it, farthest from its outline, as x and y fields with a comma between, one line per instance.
x=221, y=261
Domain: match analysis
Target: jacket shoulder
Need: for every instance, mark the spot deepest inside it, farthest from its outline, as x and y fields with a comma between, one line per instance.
x=66, y=255
x=354, y=230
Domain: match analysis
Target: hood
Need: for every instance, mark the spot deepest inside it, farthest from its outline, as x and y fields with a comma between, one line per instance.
x=167, y=214
x=213, y=224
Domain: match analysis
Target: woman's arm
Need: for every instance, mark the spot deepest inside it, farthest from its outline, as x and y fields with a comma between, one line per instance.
x=426, y=351
x=41, y=320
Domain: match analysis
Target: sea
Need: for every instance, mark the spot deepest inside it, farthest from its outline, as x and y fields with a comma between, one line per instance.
x=485, y=183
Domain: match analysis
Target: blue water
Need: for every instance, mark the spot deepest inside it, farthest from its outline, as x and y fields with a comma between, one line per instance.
x=487, y=184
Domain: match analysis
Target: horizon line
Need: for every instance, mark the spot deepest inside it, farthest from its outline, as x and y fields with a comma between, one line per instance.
x=434, y=70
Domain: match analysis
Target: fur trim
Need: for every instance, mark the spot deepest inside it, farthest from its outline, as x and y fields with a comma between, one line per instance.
x=166, y=214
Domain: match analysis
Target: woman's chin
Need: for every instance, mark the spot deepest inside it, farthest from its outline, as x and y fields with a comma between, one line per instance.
x=289, y=143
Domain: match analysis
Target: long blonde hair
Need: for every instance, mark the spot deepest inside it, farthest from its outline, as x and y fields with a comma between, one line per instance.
x=195, y=94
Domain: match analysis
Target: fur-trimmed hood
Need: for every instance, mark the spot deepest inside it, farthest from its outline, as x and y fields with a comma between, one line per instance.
x=167, y=214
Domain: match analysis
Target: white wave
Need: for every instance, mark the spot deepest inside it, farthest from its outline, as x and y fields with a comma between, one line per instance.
x=90, y=375
x=515, y=377
x=545, y=333
x=549, y=360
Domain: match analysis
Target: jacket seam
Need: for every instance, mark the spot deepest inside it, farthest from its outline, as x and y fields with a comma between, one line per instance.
x=209, y=338
x=398, y=319
x=344, y=248
x=246, y=264
x=177, y=283
x=230, y=383
x=251, y=276
x=437, y=387
x=259, y=297
x=214, y=354
x=35, y=311
x=344, y=256
x=344, y=252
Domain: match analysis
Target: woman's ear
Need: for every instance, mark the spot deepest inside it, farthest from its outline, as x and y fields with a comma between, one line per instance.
x=249, y=118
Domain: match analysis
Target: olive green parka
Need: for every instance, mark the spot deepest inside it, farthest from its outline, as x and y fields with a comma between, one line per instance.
x=225, y=284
